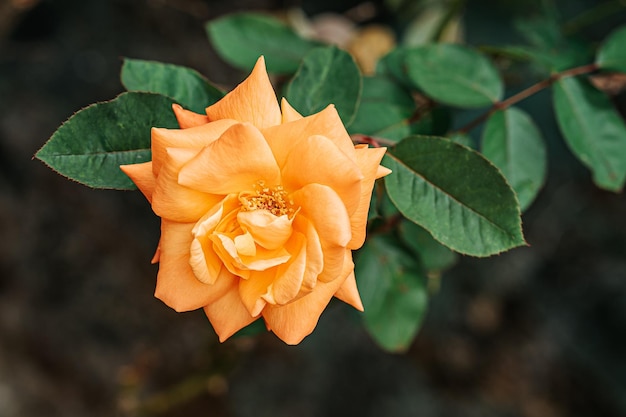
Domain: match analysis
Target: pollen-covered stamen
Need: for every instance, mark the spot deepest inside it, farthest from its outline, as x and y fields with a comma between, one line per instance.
x=273, y=199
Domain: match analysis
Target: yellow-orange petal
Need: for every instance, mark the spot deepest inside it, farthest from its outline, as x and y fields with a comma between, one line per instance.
x=289, y=113
x=314, y=253
x=228, y=314
x=382, y=171
x=316, y=160
x=177, y=286
x=368, y=159
x=256, y=290
x=187, y=119
x=253, y=101
x=191, y=138
x=348, y=293
x=268, y=230
x=289, y=276
x=235, y=162
x=142, y=176
x=177, y=202
x=284, y=137
x=322, y=206
x=294, y=321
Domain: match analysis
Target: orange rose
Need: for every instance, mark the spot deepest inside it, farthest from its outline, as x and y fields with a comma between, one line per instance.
x=260, y=210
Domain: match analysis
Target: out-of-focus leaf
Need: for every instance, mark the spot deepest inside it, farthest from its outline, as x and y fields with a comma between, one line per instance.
x=384, y=104
x=184, y=85
x=94, y=142
x=454, y=75
x=433, y=255
x=326, y=75
x=455, y=193
x=593, y=130
x=393, y=291
x=612, y=52
x=241, y=38
x=512, y=141
x=394, y=66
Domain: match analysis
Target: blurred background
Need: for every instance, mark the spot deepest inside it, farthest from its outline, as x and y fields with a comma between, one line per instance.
x=537, y=332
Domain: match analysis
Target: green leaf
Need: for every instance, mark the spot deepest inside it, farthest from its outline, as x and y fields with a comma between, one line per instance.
x=612, y=52
x=433, y=255
x=384, y=104
x=393, y=65
x=94, y=142
x=593, y=130
x=326, y=76
x=393, y=291
x=241, y=38
x=455, y=193
x=455, y=75
x=184, y=85
x=512, y=141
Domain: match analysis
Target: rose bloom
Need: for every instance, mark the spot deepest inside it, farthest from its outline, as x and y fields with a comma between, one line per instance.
x=260, y=210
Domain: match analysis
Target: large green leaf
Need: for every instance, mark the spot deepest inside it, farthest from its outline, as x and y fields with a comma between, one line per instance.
x=393, y=291
x=384, y=105
x=455, y=193
x=612, y=52
x=94, y=142
x=512, y=141
x=184, y=85
x=241, y=38
x=593, y=130
x=326, y=76
x=454, y=75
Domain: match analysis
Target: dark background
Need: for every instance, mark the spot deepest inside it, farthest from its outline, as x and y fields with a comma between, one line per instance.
x=536, y=332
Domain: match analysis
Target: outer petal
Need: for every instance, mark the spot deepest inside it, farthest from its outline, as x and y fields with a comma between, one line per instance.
x=284, y=137
x=252, y=101
x=368, y=160
x=192, y=138
x=294, y=321
x=187, y=119
x=142, y=176
x=177, y=286
x=289, y=276
x=234, y=163
x=317, y=160
x=174, y=201
x=349, y=293
x=228, y=314
x=314, y=253
x=255, y=290
x=289, y=113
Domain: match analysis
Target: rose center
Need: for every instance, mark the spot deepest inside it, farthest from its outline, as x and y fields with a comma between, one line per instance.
x=273, y=199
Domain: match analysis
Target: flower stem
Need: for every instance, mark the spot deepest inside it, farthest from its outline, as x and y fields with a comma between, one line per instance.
x=533, y=89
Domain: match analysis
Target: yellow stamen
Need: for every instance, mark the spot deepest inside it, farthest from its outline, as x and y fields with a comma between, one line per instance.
x=273, y=199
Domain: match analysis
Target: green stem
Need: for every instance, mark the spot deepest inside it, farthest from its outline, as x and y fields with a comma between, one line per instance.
x=533, y=89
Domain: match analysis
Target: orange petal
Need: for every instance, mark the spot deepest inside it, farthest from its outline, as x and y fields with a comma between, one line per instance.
x=314, y=253
x=228, y=314
x=234, y=163
x=289, y=276
x=177, y=286
x=368, y=160
x=192, y=138
x=174, y=201
x=142, y=176
x=268, y=230
x=255, y=290
x=252, y=101
x=294, y=321
x=323, y=207
x=349, y=293
x=284, y=137
x=289, y=113
x=317, y=160
x=187, y=119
